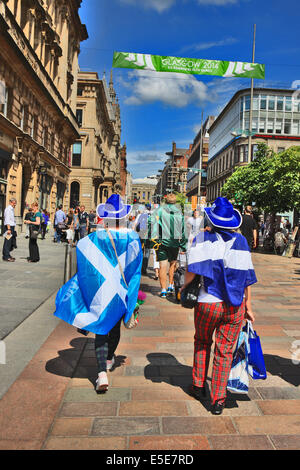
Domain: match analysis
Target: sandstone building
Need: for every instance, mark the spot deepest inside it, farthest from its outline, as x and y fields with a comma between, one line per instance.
x=39, y=48
x=96, y=155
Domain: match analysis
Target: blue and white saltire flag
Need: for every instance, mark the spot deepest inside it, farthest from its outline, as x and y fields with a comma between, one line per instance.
x=96, y=298
x=224, y=259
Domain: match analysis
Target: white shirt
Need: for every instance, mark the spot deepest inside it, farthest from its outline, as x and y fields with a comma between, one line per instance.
x=9, y=216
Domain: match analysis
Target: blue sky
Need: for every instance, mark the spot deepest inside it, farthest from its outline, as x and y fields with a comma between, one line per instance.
x=159, y=108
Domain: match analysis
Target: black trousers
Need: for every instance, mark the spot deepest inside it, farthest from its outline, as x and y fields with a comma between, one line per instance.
x=105, y=346
x=10, y=244
x=34, y=254
x=43, y=230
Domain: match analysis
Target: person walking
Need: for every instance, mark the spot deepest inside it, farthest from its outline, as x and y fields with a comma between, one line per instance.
x=193, y=225
x=280, y=241
x=223, y=259
x=249, y=228
x=76, y=225
x=70, y=233
x=105, y=289
x=44, y=224
x=34, y=227
x=92, y=217
x=167, y=229
x=9, y=231
x=83, y=221
x=59, y=223
x=141, y=226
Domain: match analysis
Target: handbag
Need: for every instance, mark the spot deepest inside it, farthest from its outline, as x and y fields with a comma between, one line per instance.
x=133, y=321
x=256, y=362
x=189, y=295
x=33, y=232
x=238, y=380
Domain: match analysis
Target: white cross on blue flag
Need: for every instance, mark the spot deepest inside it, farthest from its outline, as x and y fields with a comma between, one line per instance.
x=96, y=298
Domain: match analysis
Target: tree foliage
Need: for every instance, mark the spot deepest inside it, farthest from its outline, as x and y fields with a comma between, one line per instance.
x=272, y=181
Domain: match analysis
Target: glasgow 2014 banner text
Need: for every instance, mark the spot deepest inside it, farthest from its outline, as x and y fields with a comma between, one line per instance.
x=221, y=68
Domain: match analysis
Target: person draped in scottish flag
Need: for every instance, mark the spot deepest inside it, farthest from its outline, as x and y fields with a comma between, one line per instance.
x=222, y=257
x=105, y=288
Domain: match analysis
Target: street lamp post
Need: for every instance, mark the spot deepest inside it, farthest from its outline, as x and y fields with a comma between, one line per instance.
x=251, y=101
x=200, y=161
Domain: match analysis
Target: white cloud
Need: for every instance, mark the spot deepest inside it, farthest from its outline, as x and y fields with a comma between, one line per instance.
x=217, y=2
x=208, y=45
x=178, y=90
x=158, y=5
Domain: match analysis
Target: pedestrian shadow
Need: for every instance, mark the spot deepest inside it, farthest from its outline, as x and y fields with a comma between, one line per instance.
x=284, y=368
x=164, y=367
x=79, y=361
x=150, y=289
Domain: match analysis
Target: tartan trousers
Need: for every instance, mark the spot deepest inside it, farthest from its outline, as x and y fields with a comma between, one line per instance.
x=226, y=322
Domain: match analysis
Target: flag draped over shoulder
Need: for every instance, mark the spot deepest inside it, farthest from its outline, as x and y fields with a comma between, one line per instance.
x=96, y=298
x=224, y=259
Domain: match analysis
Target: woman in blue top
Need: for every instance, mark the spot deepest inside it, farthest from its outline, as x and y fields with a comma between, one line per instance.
x=222, y=257
x=34, y=227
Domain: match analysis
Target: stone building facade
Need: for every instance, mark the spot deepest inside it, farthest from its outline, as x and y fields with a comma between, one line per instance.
x=143, y=190
x=39, y=48
x=96, y=155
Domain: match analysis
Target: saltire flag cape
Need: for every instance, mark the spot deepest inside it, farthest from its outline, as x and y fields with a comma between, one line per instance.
x=96, y=298
x=224, y=259
x=158, y=63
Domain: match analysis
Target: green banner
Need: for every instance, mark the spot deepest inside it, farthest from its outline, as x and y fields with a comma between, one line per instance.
x=158, y=63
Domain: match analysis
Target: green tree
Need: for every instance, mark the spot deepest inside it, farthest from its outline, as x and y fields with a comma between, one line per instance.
x=272, y=181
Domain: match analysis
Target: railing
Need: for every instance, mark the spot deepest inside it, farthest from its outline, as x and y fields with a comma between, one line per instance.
x=70, y=263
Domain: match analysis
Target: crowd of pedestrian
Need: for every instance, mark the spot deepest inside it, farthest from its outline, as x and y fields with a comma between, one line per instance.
x=215, y=244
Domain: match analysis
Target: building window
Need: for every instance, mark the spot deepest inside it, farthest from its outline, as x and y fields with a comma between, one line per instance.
x=288, y=103
x=278, y=126
x=270, y=126
x=3, y=98
x=271, y=103
x=262, y=125
x=280, y=149
x=34, y=127
x=263, y=102
x=76, y=156
x=79, y=116
x=287, y=126
x=295, y=129
x=74, y=194
x=247, y=103
x=79, y=91
x=279, y=103
x=254, y=150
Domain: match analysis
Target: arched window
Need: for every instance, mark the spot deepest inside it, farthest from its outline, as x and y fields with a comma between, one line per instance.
x=74, y=194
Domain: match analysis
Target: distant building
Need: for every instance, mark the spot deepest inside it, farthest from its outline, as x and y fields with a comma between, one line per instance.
x=174, y=175
x=143, y=190
x=276, y=122
x=199, y=159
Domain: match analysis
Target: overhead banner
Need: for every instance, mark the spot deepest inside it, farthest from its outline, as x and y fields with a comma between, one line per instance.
x=158, y=63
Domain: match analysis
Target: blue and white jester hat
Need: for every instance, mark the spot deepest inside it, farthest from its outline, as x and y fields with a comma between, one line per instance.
x=113, y=208
x=222, y=214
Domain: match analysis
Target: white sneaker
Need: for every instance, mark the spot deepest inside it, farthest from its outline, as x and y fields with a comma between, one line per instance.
x=110, y=364
x=102, y=382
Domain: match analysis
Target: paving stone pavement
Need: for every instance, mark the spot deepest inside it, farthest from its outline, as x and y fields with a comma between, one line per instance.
x=25, y=286
x=53, y=403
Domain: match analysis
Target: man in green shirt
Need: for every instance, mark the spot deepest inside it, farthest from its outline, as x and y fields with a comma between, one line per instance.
x=167, y=229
